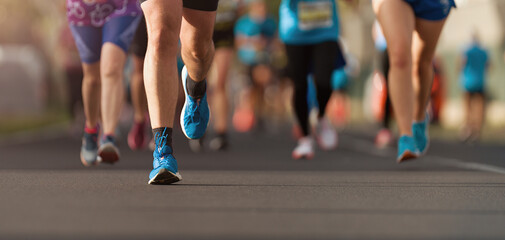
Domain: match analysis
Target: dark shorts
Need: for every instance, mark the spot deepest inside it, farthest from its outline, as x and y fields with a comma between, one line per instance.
x=475, y=91
x=433, y=10
x=202, y=5
x=223, y=38
x=139, y=44
x=118, y=31
x=473, y=94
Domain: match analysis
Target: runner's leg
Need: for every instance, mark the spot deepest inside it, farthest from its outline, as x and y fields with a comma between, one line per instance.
x=89, y=42
x=163, y=20
x=118, y=34
x=222, y=63
x=480, y=110
x=323, y=58
x=197, y=51
x=91, y=93
x=112, y=64
x=298, y=65
x=398, y=21
x=138, y=91
x=423, y=50
x=197, y=48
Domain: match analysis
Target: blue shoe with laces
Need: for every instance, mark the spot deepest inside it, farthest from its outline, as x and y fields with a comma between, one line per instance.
x=420, y=134
x=89, y=149
x=164, y=164
x=195, y=113
x=407, y=149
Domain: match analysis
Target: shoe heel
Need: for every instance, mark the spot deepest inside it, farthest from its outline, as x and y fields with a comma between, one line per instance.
x=109, y=154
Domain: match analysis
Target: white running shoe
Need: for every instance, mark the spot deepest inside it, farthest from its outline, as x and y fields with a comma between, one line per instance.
x=327, y=136
x=304, y=149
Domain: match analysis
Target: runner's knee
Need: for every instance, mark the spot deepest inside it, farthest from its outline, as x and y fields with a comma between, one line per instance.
x=91, y=74
x=400, y=56
x=199, y=50
x=422, y=65
x=163, y=40
x=163, y=31
x=92, y=80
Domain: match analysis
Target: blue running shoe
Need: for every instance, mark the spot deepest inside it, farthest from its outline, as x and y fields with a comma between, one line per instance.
x=89, y=149
x=164, y=164
x=195, y=113
x=406, y=149
x=420, y=134
x=108, y=152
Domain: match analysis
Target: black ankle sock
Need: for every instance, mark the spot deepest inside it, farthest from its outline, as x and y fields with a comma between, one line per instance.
x=163, y=132
x=196, y=89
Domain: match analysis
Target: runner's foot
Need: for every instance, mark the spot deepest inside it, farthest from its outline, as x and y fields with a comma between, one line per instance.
x=219, y=142
x=327, y=137
x=304, y=149
x=196, y=145
x=108, y=151
x=165, y=170
x=383, y=138
x=137, y=136
x=89, y=148
x=195, y=113
x=406, y=149
x=420, y=134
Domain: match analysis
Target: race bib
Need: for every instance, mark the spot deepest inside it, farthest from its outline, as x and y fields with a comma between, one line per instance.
x=314, y=15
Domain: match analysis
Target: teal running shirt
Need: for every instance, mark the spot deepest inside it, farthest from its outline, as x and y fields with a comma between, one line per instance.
x=303, y=22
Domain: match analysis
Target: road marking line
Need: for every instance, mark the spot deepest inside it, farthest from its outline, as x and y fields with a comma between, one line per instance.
x=468, y=165
x=362, y=145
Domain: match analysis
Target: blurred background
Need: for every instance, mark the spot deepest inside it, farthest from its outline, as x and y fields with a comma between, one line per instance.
x=40, y=76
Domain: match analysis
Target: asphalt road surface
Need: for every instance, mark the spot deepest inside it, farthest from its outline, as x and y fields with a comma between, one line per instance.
x=253, y=191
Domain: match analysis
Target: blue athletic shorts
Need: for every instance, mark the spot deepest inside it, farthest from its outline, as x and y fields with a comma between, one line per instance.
x=118, y=31
x=433, y=10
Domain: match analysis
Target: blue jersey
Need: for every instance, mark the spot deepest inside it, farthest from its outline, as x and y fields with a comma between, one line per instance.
x=474, y=71
x=308, y=21
x=254, y=30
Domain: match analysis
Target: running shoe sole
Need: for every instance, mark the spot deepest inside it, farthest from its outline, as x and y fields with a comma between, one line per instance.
x=300, y=156
x=181, y=120
x=108, y=153
x=88, y=164
x=407, y=155
x=165, y=177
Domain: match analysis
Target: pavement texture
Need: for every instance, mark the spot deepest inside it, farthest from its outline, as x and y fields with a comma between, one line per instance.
x=253, y=191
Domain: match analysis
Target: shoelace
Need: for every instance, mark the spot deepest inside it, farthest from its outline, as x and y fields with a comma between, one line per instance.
x=160, y=143
x=195, y=114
